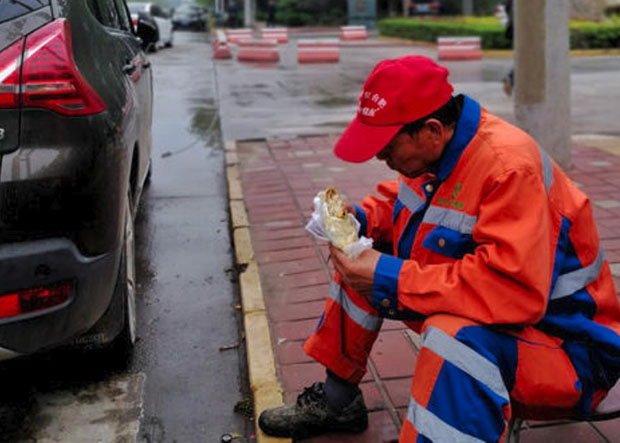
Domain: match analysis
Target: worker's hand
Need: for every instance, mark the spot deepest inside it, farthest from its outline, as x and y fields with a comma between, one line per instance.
x=357, y=273
x=351, y=209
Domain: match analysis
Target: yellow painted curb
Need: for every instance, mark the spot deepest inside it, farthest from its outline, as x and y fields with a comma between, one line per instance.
x=264, y=383
x=235, y=191
x=243, y=246
x=251, y=291
x=238, y=214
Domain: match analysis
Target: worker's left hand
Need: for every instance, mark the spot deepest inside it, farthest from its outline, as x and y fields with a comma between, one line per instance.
x=357, y=273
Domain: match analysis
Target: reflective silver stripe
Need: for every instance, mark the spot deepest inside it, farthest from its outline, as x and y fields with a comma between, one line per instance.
x=547, y=168
x=466, y=359
x=357, y=314
x=572, y=282
x=433, y=428
x=458, y=221
x=409, y=198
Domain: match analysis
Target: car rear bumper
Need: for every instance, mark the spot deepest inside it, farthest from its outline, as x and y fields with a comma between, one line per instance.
x=44, y=262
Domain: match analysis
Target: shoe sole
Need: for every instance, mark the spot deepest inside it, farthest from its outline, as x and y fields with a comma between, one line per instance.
x=351, y=427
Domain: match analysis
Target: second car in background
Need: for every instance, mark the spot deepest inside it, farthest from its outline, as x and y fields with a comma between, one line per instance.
x=153, y=13
x=190, y=17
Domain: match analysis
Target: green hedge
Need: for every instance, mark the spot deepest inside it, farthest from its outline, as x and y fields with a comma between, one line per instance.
x=583, y=35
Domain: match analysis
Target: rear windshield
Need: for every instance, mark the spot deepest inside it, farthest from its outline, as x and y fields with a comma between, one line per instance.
x=10, y=9
x=135, y=7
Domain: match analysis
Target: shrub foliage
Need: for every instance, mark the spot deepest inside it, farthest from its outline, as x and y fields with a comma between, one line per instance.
x=583, y=34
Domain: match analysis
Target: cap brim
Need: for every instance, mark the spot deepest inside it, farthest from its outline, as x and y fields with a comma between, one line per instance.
x=361, y=142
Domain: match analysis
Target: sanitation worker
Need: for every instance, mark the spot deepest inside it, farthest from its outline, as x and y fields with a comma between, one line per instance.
x=496, y=261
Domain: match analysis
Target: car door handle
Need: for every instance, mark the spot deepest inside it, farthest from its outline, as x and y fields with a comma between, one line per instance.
x=129, y=68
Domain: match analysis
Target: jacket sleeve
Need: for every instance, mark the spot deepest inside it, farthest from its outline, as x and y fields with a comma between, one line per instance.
x=375, y=213
x=507, y=278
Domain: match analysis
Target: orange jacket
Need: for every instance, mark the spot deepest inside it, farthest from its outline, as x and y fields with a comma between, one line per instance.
x=498, y=234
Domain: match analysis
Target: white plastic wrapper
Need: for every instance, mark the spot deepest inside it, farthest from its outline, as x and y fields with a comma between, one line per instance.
x=316, y=227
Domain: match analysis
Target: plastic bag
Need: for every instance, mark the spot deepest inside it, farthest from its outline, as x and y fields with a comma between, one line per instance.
x=316, y=227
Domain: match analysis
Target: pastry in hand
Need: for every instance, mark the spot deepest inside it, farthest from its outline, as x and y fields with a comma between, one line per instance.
x=339, y=226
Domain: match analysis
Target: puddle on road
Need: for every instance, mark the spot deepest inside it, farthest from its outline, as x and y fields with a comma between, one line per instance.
x=205, y=122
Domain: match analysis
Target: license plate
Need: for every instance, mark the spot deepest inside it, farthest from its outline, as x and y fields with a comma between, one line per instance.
x=423, y=8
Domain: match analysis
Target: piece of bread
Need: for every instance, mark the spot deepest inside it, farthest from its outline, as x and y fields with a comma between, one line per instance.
x=339, y=227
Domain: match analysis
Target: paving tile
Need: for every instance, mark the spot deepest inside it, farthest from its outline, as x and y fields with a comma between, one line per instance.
x=393, y=355
x=399, y=390
x=292, y=330
x=607, y=204
x=574, y=432
x=281, y=244
x=610, y=429
x=301, y=295
x=297, y=376
x=297, y=311
x=303, y=279
x=285, y=255
x=290, y=352
x=372, y=397
x=381, y=429
x=266, y=234
x=312, y=263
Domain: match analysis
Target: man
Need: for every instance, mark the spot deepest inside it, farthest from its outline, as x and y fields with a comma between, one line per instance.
x=496, y=262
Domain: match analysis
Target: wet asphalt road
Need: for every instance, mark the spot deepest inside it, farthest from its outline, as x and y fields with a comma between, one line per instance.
x=188, y=369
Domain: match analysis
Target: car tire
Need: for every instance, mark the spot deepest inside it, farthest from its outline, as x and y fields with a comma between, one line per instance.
x=122, y=346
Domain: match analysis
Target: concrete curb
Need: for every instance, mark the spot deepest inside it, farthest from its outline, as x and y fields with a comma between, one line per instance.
x=264, y=382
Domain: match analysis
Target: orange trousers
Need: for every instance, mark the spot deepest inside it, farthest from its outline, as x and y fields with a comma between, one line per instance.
x=468, y=379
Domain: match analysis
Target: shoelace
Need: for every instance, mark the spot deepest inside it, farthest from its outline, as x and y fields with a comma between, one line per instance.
x=311, y=395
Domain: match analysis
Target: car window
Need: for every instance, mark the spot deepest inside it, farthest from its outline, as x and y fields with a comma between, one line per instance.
x=123, y=15
x=9, y=9
x=106, y=13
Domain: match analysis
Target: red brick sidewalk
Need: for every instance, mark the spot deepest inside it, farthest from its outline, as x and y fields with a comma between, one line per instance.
x=280, y=178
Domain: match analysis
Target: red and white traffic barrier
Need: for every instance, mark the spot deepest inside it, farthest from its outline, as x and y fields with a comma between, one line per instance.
x=221, y=50
x=324, y=50
x=459, y=48
x=258, y=50
x=234, y=35
x=278, y=34
x=353, y=33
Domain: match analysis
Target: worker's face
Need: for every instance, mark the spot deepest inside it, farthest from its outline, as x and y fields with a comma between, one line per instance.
x=413, y=155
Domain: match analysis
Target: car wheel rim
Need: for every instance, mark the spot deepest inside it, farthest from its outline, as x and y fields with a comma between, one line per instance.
x=130, y=274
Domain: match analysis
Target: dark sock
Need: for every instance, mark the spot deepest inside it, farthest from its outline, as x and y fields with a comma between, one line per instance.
x=339, y=392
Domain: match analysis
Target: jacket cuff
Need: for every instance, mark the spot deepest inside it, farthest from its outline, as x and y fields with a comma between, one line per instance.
x=385, y=284
x=361, y=217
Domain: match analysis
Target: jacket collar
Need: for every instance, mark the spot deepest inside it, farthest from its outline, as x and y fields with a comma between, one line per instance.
x=464, y=131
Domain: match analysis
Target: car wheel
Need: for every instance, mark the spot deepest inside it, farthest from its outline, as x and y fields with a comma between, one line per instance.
x=123, y=344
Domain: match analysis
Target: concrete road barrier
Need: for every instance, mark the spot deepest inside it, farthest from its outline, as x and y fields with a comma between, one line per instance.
x=221, y=49
x=326, y=50
x=234, y=35
x=353, y=33
x=278, y=34
x=459, y=48
x=254, y=50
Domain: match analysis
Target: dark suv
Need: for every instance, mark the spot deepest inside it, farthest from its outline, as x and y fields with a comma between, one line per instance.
x=75, y=139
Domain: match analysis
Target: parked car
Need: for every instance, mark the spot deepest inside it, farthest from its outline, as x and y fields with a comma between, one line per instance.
x=152, y=13
x=189, y=16
x=424, y=8
x=75, y=125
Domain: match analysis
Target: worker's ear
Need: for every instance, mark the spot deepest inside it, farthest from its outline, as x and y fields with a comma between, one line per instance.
x=434, y=127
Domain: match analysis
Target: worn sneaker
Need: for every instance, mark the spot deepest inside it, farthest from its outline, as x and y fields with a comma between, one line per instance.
x=312, y=415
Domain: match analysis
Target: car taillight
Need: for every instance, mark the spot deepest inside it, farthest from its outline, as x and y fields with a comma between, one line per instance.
x=34, y=299
x=50, y=77
x=10, y=71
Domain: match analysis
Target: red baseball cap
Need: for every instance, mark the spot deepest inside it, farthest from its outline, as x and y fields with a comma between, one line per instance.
x=396, y=92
